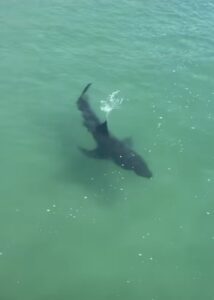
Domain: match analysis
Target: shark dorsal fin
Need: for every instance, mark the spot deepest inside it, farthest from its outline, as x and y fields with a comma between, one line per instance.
x=103, y=128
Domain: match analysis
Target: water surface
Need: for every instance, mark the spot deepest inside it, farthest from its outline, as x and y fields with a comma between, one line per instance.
x=75, y=228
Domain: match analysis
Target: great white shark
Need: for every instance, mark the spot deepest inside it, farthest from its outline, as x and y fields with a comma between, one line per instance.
x=108, y=146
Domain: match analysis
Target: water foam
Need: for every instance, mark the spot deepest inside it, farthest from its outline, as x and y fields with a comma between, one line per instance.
x=112, y=102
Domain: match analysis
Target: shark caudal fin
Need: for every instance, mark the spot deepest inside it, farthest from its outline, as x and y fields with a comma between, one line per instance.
x=90, y=119
x=86, y=88
x=82, y=102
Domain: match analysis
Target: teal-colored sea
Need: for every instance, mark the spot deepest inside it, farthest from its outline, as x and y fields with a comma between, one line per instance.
x=73, y=227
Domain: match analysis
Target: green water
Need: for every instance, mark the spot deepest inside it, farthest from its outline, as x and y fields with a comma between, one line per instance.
x=77, y=228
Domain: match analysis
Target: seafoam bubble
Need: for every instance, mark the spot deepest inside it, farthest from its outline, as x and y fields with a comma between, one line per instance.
x=111, y=103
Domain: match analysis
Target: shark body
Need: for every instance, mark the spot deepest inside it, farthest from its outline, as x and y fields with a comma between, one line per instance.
x=108, y=146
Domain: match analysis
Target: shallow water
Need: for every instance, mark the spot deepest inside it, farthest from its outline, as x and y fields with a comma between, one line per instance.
x=76, y=228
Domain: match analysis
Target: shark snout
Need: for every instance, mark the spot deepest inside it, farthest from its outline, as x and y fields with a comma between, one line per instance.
x=143, y=171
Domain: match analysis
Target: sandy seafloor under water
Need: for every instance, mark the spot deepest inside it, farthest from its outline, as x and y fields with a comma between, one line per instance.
x=76, y=228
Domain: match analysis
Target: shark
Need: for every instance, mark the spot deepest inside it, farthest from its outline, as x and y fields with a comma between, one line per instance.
x=108, y=146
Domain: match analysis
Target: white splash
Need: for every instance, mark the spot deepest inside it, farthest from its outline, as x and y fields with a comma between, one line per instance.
x=111, y=103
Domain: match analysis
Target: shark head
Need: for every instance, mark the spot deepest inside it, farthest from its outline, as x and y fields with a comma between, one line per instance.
x=141, y=169
x=139, y=166
x=133, y=161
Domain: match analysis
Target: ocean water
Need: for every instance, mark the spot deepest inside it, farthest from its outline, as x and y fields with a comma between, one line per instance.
x=77, y=228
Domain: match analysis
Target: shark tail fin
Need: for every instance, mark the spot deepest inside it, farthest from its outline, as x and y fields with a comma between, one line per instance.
x=86, y=88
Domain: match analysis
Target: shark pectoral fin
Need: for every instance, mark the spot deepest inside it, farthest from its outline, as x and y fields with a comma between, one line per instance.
x=90, y=153
x=128, y=142
x=95, y=153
